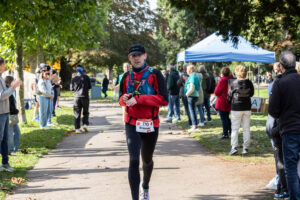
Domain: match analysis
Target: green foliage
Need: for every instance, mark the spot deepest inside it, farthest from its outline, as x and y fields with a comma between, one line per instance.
x=177, y=30
x=264, y=22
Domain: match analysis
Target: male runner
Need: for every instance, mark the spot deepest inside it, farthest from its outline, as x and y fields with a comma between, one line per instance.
x=142, y=91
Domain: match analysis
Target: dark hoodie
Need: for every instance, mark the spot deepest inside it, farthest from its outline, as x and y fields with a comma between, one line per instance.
x=172, y=86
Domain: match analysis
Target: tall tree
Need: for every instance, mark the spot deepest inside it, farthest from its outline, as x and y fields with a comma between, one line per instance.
x=177, y=30
x=262, y=22
x=32, y=23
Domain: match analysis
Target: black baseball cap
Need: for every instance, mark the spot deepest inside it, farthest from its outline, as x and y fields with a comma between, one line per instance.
x=136, y=49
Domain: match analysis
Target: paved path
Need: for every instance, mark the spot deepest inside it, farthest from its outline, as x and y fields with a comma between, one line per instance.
x=93, y=166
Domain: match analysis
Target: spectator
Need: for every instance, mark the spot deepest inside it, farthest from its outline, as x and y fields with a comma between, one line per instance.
x=191, y=90
x=222, y=104
x=56, y=86
x=45, y=93
x=14, y=129
x=5, y=93
x=173, y=90
x=240, y=93
x=126, y=68
x=284, y=105
x=81, y=84
x=208, y=86
x=105, y=84
x=199, y=102
x=181, y=84
x=116, y=87
x=298, y=67
x=34, y=90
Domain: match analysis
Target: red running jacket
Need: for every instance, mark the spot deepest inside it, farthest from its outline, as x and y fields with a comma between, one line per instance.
x=147, y=106
x=221, y=93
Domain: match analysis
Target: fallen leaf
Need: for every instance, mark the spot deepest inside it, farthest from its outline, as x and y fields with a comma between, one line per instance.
x=18, y=180
x=101, y=131
x=90, y=143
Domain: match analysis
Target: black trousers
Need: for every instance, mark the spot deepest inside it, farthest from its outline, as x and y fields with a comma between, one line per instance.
x=278, y=154
x=137, y=143
x=79, y=105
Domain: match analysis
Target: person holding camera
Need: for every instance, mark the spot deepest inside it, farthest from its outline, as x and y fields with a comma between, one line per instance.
x=45, y=93
x=5, y=93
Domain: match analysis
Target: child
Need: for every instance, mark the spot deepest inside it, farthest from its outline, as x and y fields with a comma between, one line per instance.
x=14, y=130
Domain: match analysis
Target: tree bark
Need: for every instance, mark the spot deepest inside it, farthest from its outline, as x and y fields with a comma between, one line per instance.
x=19, y=75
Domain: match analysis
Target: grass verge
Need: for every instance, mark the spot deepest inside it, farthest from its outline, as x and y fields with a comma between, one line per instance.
x=260, y=148
x=34, y=144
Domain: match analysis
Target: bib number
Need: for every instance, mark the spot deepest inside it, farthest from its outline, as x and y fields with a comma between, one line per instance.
x=144, y=126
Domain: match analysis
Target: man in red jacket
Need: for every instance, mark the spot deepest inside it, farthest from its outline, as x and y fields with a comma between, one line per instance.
x=142, y=91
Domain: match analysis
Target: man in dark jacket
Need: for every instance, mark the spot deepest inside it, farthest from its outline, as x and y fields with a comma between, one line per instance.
x=206, y=100
x=181, y=84
x=105, y=84
x=81, y=84
x=284, y=105
x=173, y=89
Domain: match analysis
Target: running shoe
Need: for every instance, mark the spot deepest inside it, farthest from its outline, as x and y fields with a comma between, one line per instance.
x=233, y=151
x=50, y=124
x=201, y=124
x=175, y=121
x=193, y=128
x=77, y=131
x=283, y=195
x=85, y=128
x=45, y=127
x=144, y=193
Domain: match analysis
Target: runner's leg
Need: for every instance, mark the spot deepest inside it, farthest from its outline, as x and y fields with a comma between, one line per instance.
x=148, y=146
x=134, y=146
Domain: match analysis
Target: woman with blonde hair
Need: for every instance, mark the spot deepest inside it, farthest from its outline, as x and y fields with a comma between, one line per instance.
x=191, y=90
x=240, y=93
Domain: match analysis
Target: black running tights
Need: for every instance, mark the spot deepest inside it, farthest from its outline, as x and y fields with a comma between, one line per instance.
x=144, y=143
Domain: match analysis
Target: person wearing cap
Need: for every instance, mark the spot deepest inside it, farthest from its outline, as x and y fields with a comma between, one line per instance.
x=81, y=84
x=142, y=90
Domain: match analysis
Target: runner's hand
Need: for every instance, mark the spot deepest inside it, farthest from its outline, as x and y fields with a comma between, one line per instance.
x=126, y=97
x=131, y=102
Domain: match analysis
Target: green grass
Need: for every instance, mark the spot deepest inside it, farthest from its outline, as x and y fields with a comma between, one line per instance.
x=262, y=93
x=35, y=143
x=260, y=148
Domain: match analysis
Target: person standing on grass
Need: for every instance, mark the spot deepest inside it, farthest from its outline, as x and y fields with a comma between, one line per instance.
x=173, y=89
x=105, y=84
x=222, y=104
x=284, y=106
x=5, y=93
x=81, y=84
x=142, y=91
x=200, y=101
x=191, y=90
x=14, y=129
x=240, y=93
x=208, y=87
x=181, y=84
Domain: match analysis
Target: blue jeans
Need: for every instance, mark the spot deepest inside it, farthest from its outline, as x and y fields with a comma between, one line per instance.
x=226, y=123
x=193, y=109
x=49, y=116
x=291, y=149
x=201, y=112
x=206, y=104
x=14, y=138
x=4, y=126
x=186, y=108
x=174, y=105
x=45, y=110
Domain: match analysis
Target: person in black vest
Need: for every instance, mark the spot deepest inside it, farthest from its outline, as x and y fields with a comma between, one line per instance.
x=81, y=84
x=105, y=84
x=173, y=89
x=284, y=105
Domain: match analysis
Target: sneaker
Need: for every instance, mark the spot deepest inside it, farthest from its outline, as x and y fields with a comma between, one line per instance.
x=175, y=121
x=201, y=124
x=7, y=168
x=36, y=119
x=221, y=137
x=233, y=151
x=45, y=127
x=144, y=193
x=85, y=128
x=282, y=195
x=169, y=121
x=210, y=120
x=193, y=128
x=245, y=151
x=50, y=124
x=272, y=185
x=77, y=131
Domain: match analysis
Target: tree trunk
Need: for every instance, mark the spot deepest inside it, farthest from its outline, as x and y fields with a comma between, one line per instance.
x=65, y=73
x=109, y=73
x=19, y=75
x=39, y=56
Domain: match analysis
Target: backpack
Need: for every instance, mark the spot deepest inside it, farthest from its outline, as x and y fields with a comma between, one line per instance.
x=211, y=84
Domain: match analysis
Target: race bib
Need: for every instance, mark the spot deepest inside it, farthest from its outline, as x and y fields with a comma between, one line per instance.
x=144, y=126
